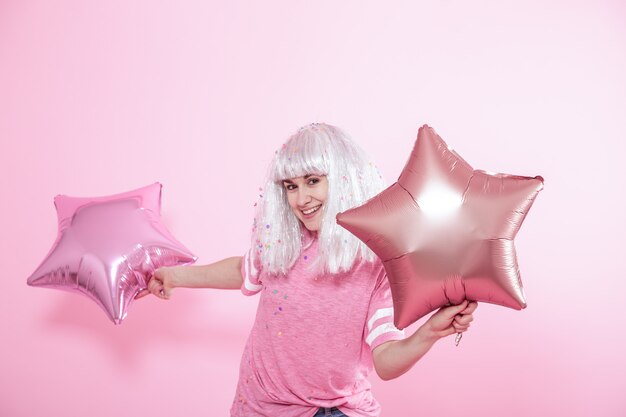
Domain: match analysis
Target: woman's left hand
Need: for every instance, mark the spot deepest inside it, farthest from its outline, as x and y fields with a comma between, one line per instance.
x=451, y=319
x=394, y=357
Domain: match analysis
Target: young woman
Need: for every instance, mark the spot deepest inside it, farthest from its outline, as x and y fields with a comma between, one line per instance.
x=325, y=314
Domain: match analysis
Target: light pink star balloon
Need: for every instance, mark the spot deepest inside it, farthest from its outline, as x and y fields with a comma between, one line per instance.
x=445, y=231
x=108, y=248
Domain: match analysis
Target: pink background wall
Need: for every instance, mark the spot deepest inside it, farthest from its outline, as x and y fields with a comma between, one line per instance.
x=99, y=97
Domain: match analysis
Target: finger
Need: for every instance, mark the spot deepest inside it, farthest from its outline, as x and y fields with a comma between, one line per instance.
x=456, y=309
x=142, y=293
x=160, y=290
x=155, y=287
x=460, y=324
x=459, y=328
x=463, y=319
x=471, y=307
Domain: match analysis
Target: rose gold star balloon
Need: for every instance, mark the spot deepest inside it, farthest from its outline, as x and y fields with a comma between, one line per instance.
x=445, y=231
x=108, y=247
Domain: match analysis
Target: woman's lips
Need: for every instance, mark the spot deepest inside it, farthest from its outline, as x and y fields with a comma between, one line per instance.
x=308, y=213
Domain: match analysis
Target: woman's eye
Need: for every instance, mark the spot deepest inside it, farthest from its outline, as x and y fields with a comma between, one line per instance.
x=313, y=180
x=290, y=187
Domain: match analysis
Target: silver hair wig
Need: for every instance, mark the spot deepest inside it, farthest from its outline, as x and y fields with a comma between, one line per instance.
x=318, y=149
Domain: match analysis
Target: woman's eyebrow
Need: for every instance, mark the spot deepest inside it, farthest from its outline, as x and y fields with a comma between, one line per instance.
x=306, y=177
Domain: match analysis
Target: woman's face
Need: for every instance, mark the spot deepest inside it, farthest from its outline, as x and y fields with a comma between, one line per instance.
x=306, y=196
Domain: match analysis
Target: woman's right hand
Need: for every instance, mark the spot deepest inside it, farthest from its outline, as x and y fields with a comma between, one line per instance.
x=161, y=284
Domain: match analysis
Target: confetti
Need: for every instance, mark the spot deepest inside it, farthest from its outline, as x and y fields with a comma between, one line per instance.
x=306, y=257
x=280, y=333
x=275, y=291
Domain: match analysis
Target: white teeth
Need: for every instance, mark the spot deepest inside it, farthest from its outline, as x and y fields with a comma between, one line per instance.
x=314, y=209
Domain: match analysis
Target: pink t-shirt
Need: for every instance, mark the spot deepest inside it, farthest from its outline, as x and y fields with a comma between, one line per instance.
x=312, y=340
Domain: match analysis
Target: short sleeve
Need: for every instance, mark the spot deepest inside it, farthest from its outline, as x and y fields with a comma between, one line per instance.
x=380, y=328
x=251, y=273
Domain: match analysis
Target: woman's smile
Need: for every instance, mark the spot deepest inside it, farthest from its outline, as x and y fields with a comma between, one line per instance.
x=308, y=213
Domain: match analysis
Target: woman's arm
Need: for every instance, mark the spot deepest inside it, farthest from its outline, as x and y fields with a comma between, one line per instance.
x=394, y=358
x=224, y=274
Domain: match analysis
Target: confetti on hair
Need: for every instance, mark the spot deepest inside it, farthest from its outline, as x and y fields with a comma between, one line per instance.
x=346, y=167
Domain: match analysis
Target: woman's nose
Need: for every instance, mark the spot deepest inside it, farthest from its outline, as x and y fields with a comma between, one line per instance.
x=304, y=196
